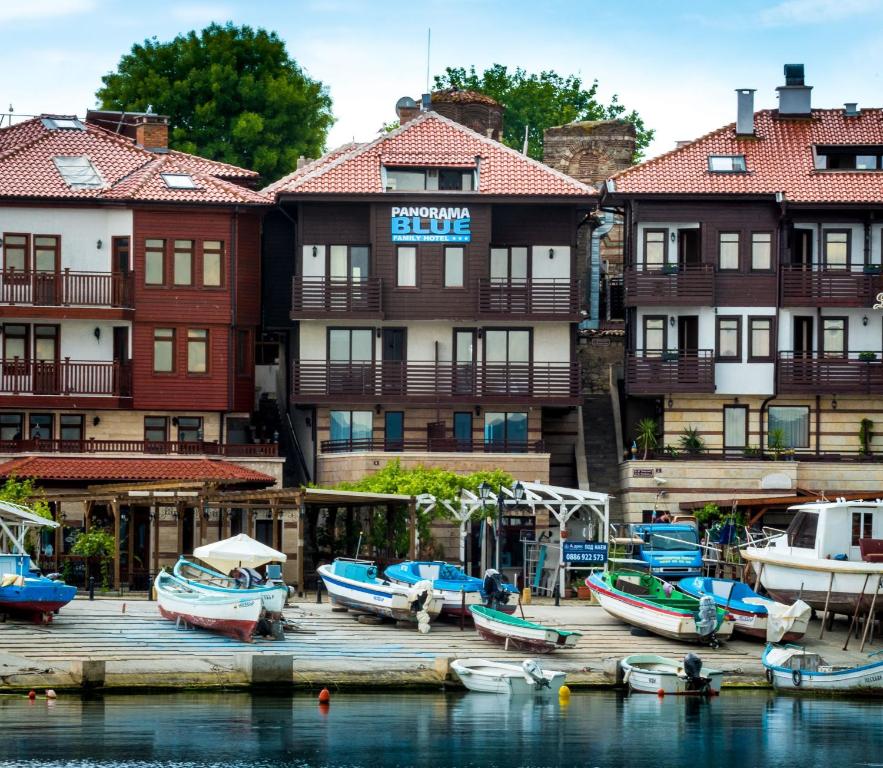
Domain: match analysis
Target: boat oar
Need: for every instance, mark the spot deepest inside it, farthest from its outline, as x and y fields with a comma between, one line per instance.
x=858, y=606
x=870, y=619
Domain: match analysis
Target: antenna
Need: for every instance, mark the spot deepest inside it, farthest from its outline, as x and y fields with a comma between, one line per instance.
x=428, y=46
x=524, y=150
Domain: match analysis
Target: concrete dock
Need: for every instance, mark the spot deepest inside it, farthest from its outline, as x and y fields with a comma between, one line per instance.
x=141, y=650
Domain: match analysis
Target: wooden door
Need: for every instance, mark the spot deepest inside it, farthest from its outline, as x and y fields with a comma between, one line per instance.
x=394, y=357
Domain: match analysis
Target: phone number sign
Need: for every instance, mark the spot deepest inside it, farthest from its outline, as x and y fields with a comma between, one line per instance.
x=585, y=552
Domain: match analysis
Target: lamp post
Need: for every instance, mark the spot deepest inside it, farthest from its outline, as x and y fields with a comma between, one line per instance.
x=484, y=492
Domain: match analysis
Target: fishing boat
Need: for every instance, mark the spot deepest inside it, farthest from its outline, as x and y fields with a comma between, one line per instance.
x=753, y=614
x=792, y=668
x=272, y=596
x=23, y=589
x=457, y=587
x=520, y=634
x=819, y=558
x=230, y=614
x=649, y=673
x=525, y=679
x=645, y=601
x=354, y=584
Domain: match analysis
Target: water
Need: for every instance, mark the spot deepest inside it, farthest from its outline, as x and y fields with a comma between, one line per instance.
x=595, y=729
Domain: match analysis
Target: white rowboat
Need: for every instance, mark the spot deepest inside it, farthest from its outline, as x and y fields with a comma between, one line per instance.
x=649, y=673
x=525, y=679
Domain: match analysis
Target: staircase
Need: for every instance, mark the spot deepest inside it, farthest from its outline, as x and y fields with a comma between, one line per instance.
x=602, y=451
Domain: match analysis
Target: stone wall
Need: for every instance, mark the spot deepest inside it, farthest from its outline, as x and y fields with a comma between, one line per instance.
x=596, y=356
x=590, y=151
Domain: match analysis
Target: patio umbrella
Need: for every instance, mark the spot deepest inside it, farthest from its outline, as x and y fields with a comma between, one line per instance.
x=238, y=551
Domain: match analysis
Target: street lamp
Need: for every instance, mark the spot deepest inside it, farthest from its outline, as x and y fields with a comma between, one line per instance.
x=484, y=493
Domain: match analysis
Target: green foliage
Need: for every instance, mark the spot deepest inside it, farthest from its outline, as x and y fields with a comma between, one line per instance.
x=96, y=543
x=865, y=435
x=231, y=93
x=671, y=452
x=691, y=441
x=646, y=435
x=776, y=442
x=25, y=493
x=541, y=101
x=708, y=515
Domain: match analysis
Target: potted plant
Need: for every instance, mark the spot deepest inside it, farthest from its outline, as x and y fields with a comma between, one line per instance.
x=670, y=355
x=865, y=435
x=691, y=441
x=669, y=268
x=582, y=591
x=867, y=356
x=671, y=452
x=752, y=452
x=777, y=442
x=646, y=437
x=873, y=269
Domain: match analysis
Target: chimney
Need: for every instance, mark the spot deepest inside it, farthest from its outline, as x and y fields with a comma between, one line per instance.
x=301, y=162
x=850, y=109
x=152, y=132
x=426, y=102
x=745, y=112
x=406, y=109
x=795, y=96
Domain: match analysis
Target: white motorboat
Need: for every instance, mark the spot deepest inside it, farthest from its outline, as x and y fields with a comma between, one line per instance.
x=649, y=673
x=525, y=679
x=272, y=596
x=818, y=559
x=793, y=668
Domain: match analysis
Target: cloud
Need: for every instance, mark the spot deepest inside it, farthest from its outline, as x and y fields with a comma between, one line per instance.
x=803, y=12
x=26, y=10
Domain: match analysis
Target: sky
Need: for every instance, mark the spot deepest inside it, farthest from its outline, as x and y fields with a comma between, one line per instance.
x=677, y=63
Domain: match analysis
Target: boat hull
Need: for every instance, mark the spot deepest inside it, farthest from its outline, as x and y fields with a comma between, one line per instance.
x=506, y=679
x=646, y=673
x=866, y=679
x=272, y=597
x=36, y=598
x=537, y=639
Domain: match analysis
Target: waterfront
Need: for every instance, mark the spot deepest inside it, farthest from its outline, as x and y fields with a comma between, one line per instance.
x=438, y=729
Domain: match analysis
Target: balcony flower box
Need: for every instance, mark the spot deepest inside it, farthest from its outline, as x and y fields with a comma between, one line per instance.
x=873, y=269
x=867, y=357
x=669, y=269
x=670, y=356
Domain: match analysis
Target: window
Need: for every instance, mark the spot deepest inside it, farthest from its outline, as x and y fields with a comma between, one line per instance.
x=507, y=346
x=62, y=123
x=394, y=430
x=197, y=350
x=212, y=263
x=266, y=350
x=453, y=267
x=760, y=339
x=429, y=179
x=655, y=244
x=726, y=163
x=183, y=263
x=862, y=526
x=793, y=421
x=407, y=267
x=834, y=332
x=154, y=262
x=15, y=343
x=163, y=350
x=40, y=426
x=729, y=339
x=836, y=248
x=10, y=426
x=190, y=429
x=509, y=265
x=47, y=252
x=71, y=426
x=851, y=158
x=15, y=252
x=350, y=345
x=729, y=251
x=506, y=431
x=352, y=427
x=654, y=336
x=463, y=430
x=78, y=172
x=120, y=249
x=802, y=531
x=761, y=251
x=179, y=180
x=735, y=427
x=156, y=429
x=46, y=343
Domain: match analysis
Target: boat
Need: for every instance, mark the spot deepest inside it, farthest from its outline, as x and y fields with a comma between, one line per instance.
x=272, y=596
x=645, y=601
x=520, y=634
x=819, y=559
x=525, y=679
x=23, y=589
x=460, y=591
x=354, y=584
x=235, y=615
x=793, y=668
x=753, y=614
x=649, y=673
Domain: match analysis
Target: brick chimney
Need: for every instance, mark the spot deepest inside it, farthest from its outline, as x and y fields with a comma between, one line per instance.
x=407, y=109
x=152, y=132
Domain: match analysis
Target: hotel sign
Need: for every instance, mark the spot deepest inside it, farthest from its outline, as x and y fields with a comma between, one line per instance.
x=430, y=224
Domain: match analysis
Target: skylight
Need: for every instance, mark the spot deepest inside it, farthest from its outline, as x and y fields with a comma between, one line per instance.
x=178, y=180
x=726, y=163
x=78, y=172
x=63, y=123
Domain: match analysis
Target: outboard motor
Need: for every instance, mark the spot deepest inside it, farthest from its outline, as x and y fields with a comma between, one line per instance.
x=492, y=589
x=706, y=620
x=533, y=671
x=693, y=673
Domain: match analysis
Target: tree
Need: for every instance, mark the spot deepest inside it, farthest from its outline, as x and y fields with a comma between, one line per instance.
x=24, y=493
x=231, y=94
x=540, y=101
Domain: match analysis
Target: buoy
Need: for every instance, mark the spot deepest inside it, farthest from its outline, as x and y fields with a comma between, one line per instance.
x=50, y=694
x=324, y=696
x=564, y=692
x=32, y=695
x=660, y=693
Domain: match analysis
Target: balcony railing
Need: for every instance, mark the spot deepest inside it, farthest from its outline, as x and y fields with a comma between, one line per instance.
x=816, y=286
x=441, y=444
x=672, y=285
x=186, y=448
x=65, y=377
x=331, y=296
x=66, y=289
x=323, y=381
x=659, y=372
x=539, y=297
x=811, y=372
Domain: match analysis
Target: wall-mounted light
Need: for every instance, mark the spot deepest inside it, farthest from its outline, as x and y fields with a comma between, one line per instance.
x=99, y=244
x=834, y=404
x=315, y=251
x=671, y=321
x=865, y=320
x=174, y=421
x=380, y=333
x=96, y=421
x=478, y=410
x=97, y=333
x=671, y=403
x=377, y=408
x=673, y=237
x=551, y=253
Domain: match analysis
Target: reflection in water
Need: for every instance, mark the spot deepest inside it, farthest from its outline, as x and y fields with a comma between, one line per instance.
x=597, y=729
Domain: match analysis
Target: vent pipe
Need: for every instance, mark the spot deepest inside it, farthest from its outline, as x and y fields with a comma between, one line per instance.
x=850, y=109
x=795, y=97
x=745, y=112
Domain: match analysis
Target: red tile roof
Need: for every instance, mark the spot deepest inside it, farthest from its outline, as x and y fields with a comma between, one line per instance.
x=434, y=140
x=129, y=172
x=121, y=470
x=779, y=158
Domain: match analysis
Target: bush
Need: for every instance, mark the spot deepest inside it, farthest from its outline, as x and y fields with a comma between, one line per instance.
x=99, y=544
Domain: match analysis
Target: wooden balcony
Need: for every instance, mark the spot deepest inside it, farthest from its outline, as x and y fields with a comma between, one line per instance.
x=813, y=373
x=427, y=382
x=317, y=297
x=686, y=286
x=67, y=289
x=65, y=378
x=656, y=372
x=540, y=298
x=442, y=444
x=815, y=286
x=187, y=448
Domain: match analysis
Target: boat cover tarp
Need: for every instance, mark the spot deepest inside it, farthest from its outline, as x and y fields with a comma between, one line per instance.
x=780, y=617
x=238, y=551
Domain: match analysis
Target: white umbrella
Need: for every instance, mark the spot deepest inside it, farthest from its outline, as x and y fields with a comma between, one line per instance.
x=238, y=551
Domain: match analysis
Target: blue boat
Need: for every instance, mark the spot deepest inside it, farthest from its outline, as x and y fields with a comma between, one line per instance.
x=460, y=590
x=23, y=589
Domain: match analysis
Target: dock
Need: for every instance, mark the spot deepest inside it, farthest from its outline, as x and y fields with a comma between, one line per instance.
x=140, y=650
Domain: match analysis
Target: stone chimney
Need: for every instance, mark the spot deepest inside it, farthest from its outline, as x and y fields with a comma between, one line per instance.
x=795, y=97
x=745, y=111
x=481, y=113
x=152, y=132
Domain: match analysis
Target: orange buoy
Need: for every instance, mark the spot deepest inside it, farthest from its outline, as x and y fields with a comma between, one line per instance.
x=660, y=693
x=324, y=696
x=32, y=695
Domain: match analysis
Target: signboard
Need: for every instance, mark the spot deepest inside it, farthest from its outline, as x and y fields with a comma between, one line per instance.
x=430, y=224
x=585, y=552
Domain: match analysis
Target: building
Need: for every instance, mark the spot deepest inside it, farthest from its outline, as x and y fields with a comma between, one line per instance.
x=425, y=290
x=754, y=330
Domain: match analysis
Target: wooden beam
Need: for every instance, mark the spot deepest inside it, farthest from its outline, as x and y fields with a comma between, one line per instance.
x=115, y=508
x=412, y=530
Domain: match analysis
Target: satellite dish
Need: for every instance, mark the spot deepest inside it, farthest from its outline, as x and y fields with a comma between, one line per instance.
x=406, y=102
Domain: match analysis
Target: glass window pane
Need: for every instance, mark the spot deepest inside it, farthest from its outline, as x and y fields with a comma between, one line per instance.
x=734, y=427
x=338, y=262
x=45, y=348
x=654, y=334
x=363, y=345
x=401, y=180
x=866, y=162
x=183, y=262
x=729, y=250
x=189, y=429
x=453, y=267
x=359, y=262
x=761, y=254
x=834, y=337
x=728, y=338
x=407, y=271
x=71, y=426
x=519, y=263
x=519, y=346
x=499, y=264
x=211, y=268
x=654, y=249
x=10, y=426
x=362, y=425
x=516, y=428
x=495, y=427
x=495, y=346
x=760, y=338
x=40, y=426
x=338, y=345
x=836, y=249
x=463, y=347
x=197, y=348
x=156, y=428
x=153, y=262
x=340, y=425
x=794, y=423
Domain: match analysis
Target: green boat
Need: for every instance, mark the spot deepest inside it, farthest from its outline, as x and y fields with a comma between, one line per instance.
x=520, y=634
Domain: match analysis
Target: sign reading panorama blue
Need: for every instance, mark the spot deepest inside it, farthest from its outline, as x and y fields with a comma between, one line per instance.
x=430, y=224
x=585, y=552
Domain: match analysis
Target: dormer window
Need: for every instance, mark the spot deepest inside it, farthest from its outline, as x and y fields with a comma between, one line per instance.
x=179, y=180
x=62, y=124
x=429, y=179
x=852, y=158
x=78, y=172
x=727, y=164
